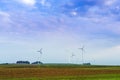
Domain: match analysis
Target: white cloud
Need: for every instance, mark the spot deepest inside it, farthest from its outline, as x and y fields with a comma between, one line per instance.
x=4, y=16
x=107, y=56
x=74, y=13
x=28, y=2
x=45, y=3
x=110, y=2
x=116, y=48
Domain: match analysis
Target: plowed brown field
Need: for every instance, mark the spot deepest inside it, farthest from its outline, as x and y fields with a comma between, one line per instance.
x=52, y=72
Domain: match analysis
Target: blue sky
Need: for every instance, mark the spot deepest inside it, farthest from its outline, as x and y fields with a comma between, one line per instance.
x=60, y=27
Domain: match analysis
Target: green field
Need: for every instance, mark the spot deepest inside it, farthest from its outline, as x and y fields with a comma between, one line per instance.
x=59, y=72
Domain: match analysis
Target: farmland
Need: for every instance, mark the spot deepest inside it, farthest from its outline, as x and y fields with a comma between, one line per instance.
x=59, y=72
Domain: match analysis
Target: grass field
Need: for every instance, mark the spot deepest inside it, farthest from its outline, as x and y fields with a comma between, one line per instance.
x=59, y=72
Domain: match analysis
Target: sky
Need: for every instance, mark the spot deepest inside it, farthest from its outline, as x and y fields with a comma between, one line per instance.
x=60, y=27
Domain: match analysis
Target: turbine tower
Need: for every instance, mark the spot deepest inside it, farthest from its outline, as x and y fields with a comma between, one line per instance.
x=40, y=51
x=83, y=50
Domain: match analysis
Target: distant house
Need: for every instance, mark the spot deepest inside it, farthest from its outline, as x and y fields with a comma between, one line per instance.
x=37, y=62
x=22, y=62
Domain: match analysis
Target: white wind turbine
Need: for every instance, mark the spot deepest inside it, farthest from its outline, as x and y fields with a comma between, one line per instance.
x=40, y=51
x=71, y=57
x=83, y=50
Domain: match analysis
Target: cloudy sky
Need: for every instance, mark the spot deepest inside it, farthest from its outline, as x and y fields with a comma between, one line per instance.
x=60, y=27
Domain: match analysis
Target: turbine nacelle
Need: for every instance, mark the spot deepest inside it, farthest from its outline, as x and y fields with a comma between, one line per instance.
x=40, y=51
x=82, y=48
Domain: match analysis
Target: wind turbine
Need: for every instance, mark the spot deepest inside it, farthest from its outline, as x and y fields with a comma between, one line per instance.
x=40, y=51
x=71, y=56
x=83, y=50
